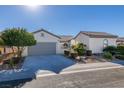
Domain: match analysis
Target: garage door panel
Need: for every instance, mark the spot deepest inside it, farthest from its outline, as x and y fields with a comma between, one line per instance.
x=42, y=49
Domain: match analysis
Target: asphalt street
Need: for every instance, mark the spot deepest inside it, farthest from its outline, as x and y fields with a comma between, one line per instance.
x=92, y=79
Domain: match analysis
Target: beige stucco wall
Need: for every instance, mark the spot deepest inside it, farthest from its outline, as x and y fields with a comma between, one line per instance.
x=81, y=38
x=25, y=52
x=96, y=44
x=61, y=50
x=46, y=38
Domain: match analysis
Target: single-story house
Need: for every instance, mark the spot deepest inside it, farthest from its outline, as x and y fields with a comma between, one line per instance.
x=47, y=43
x=120, y=41
x=95, y=41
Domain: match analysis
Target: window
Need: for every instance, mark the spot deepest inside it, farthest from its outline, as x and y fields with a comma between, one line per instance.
x=42, y=34
x=105, y=43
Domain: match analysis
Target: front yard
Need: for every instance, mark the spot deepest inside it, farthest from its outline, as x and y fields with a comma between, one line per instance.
x=8, y=62
x=43, y=65
x=16, y=39
x=80, y=54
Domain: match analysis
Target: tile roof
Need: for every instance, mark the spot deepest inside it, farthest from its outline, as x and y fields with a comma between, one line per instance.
x=98, y=34
x=65, y=38
x=120, y=39
x=46, y=32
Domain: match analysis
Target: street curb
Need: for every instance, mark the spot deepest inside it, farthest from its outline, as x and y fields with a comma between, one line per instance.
x=76, y=71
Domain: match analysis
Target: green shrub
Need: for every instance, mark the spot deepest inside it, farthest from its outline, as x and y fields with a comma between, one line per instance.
x=110, y=49
x=107, y=55
x=120, y=50
x=120, y=57
x=79, y=48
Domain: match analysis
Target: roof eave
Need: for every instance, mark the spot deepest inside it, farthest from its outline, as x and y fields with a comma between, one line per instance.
x=46, y=32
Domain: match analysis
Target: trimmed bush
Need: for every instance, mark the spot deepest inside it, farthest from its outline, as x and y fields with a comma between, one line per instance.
x=110, y=49
x=120, y=50
x=120, y=57
x=107, y=55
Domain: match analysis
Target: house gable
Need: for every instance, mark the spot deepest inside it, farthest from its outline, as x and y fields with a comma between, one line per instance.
x=98, y=34
x=45, y=36
x=81, y=38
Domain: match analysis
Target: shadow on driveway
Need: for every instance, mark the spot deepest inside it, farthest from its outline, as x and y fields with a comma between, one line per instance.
x=53, y=63
x=14, y=83
x=32, y=64
x=120, y=62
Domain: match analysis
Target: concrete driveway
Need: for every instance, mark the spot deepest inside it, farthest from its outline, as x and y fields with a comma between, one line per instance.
x=34, y=64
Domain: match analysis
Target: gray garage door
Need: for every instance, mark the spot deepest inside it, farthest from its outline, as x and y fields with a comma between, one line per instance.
x=42, y=49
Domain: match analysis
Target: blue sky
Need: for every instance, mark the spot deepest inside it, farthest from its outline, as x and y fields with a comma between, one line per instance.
x=64, y=19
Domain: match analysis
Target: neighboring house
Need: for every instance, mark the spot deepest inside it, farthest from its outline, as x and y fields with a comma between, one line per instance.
x=120, y=41
x=47, y=43
x=96, y=41
x=65, y=42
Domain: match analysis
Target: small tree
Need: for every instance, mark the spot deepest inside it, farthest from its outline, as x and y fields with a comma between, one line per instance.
x=19, y=38
x=107, y=55
x=2, y=42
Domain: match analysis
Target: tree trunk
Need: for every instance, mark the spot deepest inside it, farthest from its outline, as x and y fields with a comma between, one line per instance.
x=19, y=53
x=4, y=50
x=13, y=51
